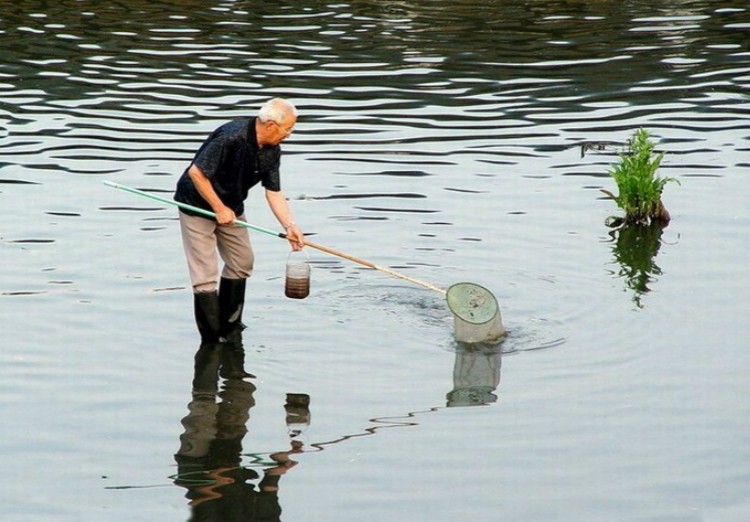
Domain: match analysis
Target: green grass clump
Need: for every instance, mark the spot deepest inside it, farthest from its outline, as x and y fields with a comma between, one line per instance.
x=639, y=187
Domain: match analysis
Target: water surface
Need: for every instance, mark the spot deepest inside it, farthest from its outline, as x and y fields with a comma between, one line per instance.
x=452, y=141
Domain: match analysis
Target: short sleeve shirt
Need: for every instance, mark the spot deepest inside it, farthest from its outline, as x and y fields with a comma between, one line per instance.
x=234, y=163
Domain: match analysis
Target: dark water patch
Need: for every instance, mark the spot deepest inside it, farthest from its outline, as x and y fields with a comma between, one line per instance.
x=695, y=166
x=418, y=264
x=95, y=172
x=403, y=210
x=385, y=161
x=676, y=124
x=55, y=166
x=31, y=241
x=64, y=214
x=327, y=263
x=677, y=153
x=587, y=174
x=401, y=267
x=21, y=293
x=395, y=173
x=404, y=195
x=21, y=144
x=666, y=140
x=465, y=191
x=603, y=164
x=121, y=154
x=475, y=239
x=133, y=209
x=17, y=181
x=358, y=218
x=550, y=148
x=509, y=153
x=498, y=162
x=60, y=282
x=690, y=175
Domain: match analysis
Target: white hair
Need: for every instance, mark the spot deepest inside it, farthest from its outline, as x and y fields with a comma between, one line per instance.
x=277, y=110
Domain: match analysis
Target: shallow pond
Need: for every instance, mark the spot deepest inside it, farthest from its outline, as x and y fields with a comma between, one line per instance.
x=451, y=141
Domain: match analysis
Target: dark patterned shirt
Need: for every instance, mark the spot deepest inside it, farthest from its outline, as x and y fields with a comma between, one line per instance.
x=234, y=163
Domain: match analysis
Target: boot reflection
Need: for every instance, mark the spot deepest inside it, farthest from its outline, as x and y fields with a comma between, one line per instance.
x=476, y=375
x=209, y=458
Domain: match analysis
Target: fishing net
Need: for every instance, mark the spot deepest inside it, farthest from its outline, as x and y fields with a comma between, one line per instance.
x=476, y=314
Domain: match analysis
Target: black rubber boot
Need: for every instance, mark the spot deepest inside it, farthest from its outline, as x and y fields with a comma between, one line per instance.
x=231, y=303
x=207, y=316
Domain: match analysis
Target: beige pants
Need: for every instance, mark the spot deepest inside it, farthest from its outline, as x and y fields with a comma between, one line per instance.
x=204, y=241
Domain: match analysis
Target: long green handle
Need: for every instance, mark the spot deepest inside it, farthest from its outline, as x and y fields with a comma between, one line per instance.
x=192, y=208
x=270, y=232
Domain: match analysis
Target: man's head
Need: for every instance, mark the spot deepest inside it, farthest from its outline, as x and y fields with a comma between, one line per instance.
x=276, y=120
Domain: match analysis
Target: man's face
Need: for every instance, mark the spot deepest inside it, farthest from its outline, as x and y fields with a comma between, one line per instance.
x=281, y=131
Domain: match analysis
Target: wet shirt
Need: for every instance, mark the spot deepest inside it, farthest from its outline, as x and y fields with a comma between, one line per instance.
x=234, y=163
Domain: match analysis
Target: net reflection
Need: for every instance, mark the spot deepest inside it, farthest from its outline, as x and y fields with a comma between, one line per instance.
x=476, y=375
x=219, y=488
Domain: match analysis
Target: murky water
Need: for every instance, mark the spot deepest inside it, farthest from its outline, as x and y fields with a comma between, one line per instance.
x=451, y=141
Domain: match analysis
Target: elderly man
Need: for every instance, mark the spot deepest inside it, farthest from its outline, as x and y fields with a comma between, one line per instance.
x=235, y=157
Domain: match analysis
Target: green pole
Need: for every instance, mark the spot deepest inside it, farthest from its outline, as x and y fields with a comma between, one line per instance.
x=191, y=208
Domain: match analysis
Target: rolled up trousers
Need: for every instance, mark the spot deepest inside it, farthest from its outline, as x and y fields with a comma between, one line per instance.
x=204, y=240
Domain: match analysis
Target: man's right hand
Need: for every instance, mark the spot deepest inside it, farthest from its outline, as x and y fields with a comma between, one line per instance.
x=225, y=216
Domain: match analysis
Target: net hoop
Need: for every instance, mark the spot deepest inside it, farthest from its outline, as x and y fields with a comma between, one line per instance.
x=472, y=303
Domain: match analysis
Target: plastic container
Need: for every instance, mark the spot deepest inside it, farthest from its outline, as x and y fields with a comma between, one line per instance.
x=297, y=284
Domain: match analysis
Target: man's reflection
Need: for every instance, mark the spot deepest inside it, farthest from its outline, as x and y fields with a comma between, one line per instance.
x=209, y=459
x=476, y=375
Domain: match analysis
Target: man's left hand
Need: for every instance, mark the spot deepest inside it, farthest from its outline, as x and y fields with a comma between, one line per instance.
x=295, y=237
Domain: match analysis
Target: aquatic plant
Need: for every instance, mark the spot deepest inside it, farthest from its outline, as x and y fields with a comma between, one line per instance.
x=639, y=187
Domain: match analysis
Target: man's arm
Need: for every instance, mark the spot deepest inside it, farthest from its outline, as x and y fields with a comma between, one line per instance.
x=224, y=215
x=280, y=208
